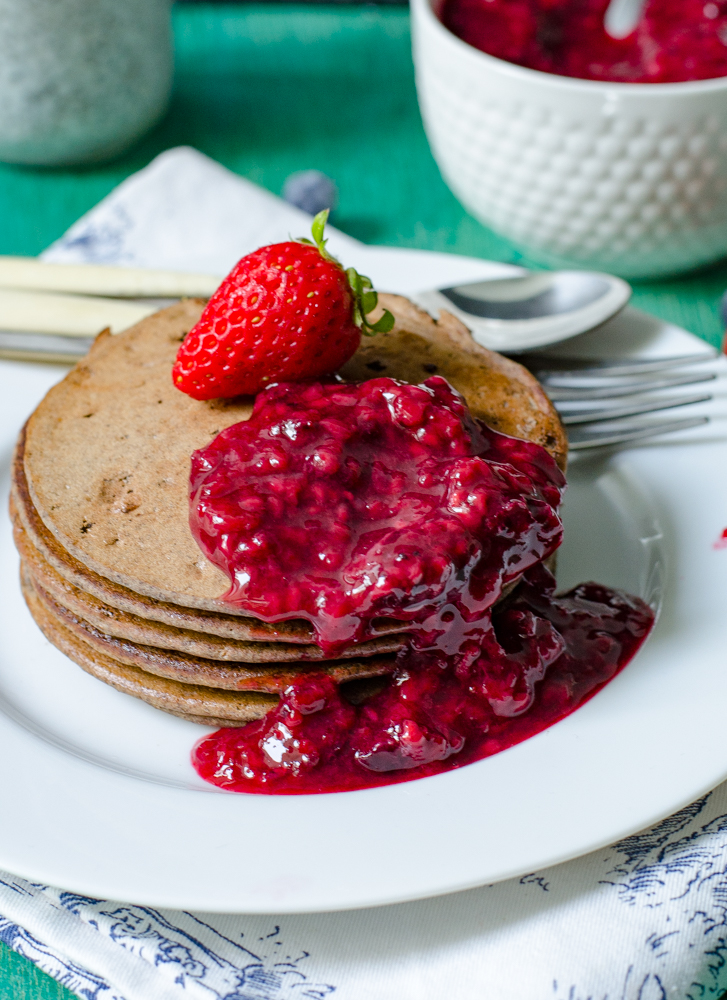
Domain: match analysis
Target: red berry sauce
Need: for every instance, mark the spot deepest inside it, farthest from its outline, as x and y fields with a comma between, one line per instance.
x=675, y=40
x=347, y=504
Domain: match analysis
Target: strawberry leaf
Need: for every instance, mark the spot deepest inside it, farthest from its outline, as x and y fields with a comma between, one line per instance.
x=382, y=325
x=319, y=224
x=365, y=298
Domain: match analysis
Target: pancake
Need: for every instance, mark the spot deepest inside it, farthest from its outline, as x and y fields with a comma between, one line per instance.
x=99, y=500
x=44, y=549
x=107, y=452
x=215, y=623
x=132, y=628
x=194, y=703
x=270, y=677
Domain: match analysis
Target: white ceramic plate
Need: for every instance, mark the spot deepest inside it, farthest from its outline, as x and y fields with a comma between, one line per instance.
x=99, y=796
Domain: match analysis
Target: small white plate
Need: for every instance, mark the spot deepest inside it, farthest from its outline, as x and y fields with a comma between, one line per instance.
x=99, y=796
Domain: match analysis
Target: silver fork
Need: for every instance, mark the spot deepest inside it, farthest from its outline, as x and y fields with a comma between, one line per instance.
x=573, y=388
x=597, y=399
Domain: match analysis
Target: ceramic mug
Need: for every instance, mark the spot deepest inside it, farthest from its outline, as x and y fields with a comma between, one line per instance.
x=81, y=80
x=626, y=178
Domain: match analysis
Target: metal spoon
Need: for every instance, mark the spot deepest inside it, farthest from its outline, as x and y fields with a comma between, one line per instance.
x=532, y=309
x=622, y=17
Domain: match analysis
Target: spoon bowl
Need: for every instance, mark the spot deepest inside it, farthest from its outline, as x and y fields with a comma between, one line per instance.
x=532, y=309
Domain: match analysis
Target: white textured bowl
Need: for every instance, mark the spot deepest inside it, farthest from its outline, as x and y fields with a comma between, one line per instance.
x=627, y=178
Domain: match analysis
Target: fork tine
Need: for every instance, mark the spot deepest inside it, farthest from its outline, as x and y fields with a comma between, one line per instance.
x=634, y=433
x=621, y=412
x=544, y=366
x=618, y=379
x=573, y=393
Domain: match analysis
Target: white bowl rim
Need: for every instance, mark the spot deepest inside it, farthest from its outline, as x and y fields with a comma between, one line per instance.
x=573, y=83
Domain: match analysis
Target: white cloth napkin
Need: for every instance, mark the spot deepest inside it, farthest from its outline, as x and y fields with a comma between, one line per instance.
x=185, y=212
x=645, y=919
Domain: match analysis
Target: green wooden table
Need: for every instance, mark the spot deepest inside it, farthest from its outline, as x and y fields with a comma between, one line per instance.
x=268, y=90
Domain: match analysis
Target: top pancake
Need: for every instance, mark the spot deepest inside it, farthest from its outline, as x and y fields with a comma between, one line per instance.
x=107, y=452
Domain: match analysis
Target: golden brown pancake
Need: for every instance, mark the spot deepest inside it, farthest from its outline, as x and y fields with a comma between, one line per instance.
x=270, y=677
x=107, y=452
x=44, y=547
x=99, y=501
x=195, y=703
x=215, y=623
x=130, y=627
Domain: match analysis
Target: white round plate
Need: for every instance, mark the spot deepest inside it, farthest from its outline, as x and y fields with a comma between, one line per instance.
x=99, y=796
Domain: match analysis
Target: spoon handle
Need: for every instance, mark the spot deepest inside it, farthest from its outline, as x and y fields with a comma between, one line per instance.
x=622, y=16
x=31, y=274
x=67, y=315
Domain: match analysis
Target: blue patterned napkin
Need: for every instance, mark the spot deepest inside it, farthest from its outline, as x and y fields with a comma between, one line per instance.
x=645, y=919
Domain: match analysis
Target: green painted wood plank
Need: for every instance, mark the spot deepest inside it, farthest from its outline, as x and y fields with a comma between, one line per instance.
x=21, y=980
x=268, y=90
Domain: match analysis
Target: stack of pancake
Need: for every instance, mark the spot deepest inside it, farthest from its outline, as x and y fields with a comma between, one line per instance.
x=109, y=567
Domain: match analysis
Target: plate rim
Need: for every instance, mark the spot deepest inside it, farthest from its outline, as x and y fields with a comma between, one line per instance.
x=100, y=884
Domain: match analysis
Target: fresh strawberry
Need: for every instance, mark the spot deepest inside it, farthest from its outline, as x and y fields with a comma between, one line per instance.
x=286, y=312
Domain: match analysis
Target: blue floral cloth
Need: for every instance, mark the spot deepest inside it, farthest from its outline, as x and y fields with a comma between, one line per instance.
x=645, y=919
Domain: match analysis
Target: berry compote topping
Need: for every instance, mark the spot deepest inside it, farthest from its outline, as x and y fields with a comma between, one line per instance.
x=343, y=503
x=346, y=504
x=675, y=40
x=538, y=658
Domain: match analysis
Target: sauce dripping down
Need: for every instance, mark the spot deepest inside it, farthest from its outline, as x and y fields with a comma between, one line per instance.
x=348, y=504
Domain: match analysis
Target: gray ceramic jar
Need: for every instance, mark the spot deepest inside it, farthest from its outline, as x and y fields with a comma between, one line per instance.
x=81, y=80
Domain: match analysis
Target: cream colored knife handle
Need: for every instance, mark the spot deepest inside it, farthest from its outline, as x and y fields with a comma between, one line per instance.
x=97, y=279
x=72, y=315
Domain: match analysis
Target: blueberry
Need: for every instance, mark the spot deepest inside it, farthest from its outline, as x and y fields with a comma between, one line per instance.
x=310, y=190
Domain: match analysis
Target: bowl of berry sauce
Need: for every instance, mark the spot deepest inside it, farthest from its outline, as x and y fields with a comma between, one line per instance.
x=578, y=148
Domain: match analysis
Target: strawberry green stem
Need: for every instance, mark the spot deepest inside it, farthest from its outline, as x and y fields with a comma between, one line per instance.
x=365, y=298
